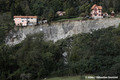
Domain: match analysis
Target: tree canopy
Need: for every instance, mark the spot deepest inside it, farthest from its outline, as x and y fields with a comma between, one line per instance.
x=46, y=8
x=34, y=58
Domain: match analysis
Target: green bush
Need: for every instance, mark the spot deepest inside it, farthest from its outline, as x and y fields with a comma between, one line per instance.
x=88, y=53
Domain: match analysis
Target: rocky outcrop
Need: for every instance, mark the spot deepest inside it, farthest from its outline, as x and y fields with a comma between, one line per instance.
x=60, y=30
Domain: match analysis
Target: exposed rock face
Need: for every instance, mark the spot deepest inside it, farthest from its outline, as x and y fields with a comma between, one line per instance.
x=60, y=30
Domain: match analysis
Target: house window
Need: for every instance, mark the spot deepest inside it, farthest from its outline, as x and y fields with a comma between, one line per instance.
x=95, y=14
x=95, y=9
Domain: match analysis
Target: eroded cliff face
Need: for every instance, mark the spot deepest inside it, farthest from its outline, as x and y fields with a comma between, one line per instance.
x=60, y=30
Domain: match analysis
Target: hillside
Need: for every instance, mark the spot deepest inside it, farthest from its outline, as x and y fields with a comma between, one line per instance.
x=95, y=53
x=67, y=47
x=46, y=9
x=60, y=30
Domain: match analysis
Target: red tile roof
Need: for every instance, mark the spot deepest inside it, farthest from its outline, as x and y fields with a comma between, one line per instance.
x=25, y=16
x=93, y=6
x=99, y=7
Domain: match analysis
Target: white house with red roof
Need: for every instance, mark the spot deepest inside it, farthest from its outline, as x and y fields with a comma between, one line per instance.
x=96, y=12
x=25, y=20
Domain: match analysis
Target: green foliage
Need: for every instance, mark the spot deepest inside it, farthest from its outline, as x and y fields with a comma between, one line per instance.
x=47, y=8
x=7, y=62
x=70, y=12
x=94, y=53
x=88, y=53
x=6, y=25
x=68, y=78
x=33, y=58
x=110, y=10
x=85, y=9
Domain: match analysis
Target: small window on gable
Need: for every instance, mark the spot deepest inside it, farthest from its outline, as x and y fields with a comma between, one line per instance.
x=95, y=9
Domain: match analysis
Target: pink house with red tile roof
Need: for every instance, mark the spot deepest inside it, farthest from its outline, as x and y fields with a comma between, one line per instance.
x=25, y=20
x=96, y=12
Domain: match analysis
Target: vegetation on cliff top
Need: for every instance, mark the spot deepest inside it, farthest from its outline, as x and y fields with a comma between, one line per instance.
x=48, y=8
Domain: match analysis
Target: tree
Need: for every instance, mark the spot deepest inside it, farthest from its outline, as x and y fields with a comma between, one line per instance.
x=70, y=12
x=12, y=11
x=38, y=57
x=7, y=62
x=51, y=14
x=37, y=7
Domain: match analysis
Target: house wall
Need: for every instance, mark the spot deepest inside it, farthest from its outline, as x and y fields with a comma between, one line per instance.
x=24, y=21
x=32, y=21
x=99, y=13
x=20, y=22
